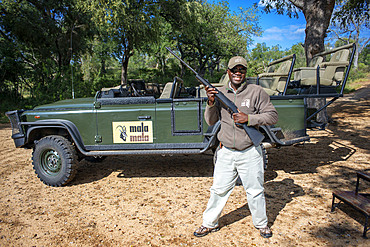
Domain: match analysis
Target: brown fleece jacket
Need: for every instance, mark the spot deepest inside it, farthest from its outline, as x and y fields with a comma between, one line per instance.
x=250, y=99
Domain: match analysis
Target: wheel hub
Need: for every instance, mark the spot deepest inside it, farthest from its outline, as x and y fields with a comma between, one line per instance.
x=51, y=162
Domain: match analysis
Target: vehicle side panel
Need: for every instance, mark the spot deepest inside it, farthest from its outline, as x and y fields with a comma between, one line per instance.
x=82, y=114
x=291, y=117
x=112, y=119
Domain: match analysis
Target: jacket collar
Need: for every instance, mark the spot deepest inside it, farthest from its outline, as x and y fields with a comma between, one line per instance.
x=240, y=89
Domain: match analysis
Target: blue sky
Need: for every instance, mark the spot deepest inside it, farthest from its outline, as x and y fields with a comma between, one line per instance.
x=277, y=29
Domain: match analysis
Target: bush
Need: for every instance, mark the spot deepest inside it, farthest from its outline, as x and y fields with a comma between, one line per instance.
x=359, y=73
x=356, y=76
x=9, y=100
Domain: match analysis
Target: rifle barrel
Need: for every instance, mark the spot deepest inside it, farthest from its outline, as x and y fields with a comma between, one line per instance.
x=182, y=61
x=255, y=136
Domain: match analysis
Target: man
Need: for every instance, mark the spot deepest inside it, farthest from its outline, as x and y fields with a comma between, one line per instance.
x=238, y=156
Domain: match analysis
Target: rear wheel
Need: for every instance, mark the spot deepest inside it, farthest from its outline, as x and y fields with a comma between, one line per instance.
x=264, y=156
x=54, y=160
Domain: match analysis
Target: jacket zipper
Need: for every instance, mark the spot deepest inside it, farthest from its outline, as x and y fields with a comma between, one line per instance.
x=234, y=127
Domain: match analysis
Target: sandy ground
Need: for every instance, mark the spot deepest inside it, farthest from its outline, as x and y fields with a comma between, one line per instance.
x=158, y=201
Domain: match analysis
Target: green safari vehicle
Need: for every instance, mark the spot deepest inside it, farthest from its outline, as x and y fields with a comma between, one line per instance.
x=128, y=121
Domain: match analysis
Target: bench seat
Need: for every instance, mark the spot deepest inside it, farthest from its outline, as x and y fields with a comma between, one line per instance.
x=359, y=201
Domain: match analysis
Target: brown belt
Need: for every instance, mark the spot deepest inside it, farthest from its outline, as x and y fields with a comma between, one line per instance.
x=221, y=146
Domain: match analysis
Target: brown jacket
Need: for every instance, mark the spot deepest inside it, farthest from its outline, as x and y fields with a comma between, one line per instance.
x=250, y=99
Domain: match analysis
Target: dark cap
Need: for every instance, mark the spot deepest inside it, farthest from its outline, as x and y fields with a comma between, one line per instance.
x=238, y=60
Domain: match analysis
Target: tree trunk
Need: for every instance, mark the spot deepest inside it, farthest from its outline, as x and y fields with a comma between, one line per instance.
x=127, y=53
x=163, y=65
x=355, y=59
x=124, y=69
x=317, y=14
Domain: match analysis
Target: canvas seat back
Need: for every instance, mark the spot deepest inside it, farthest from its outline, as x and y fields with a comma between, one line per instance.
x=279, y=82
x=310, y=71
x=166, y=91
x=277, y=74
x=335, y=69
x=315, y=61
x=331, y=73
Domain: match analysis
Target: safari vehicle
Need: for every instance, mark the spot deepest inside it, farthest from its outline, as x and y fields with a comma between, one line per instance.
x=127, y=121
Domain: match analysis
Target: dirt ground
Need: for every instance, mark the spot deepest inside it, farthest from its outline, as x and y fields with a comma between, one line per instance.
x=158, y=201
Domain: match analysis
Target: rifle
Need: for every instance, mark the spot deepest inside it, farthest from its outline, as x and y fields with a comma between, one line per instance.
x=255, y=136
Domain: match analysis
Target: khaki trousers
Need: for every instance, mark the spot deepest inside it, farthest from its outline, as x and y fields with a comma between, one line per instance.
x=248, y=164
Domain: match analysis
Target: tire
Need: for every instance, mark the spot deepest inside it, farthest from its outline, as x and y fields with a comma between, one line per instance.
x=264, y=156
x=54, y=160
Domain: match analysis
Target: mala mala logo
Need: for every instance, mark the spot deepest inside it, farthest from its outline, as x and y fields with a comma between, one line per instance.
x=139, y=129
x=132, y=132
x=122, y=130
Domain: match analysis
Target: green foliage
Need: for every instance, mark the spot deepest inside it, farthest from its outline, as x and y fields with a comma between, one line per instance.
x=280, y=7
x=98, y=68
x=349, y=12
x=208, y=33
x=364, y=56
x=8, y=101
x=129, y=24
x=261, y=56
x=355, y=78
x=298, y=50
x=39, y=35
x=50, y=48
x=360, y=73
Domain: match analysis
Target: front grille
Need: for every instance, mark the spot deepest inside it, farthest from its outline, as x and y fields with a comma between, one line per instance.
x=14, y=121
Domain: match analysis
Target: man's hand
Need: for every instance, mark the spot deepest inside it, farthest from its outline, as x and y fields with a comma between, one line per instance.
x=240, y=117
x=211, y=95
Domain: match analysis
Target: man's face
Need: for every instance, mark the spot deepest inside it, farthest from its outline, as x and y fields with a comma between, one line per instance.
x=237, y=74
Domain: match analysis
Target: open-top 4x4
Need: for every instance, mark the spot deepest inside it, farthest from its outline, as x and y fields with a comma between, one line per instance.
x=126, y=121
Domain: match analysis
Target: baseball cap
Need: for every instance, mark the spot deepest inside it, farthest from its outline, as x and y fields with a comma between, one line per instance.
x=238, y=60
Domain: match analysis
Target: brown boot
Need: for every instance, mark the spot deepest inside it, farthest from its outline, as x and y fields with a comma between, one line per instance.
x=265, y=232
x=202, y=231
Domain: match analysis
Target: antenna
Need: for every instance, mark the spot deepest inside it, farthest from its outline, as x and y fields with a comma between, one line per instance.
x=73, y=91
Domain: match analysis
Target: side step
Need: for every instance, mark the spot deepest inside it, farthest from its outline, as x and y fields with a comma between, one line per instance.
x=143, y=152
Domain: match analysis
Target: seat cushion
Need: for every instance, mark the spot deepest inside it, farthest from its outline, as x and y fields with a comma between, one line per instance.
x=270, y=91
x=312, y=81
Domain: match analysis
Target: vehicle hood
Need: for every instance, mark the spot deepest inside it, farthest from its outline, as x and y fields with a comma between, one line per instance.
x=68, y=104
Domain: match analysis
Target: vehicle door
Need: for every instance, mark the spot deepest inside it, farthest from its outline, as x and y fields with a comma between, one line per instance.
x=179, y=117
x=125, y=123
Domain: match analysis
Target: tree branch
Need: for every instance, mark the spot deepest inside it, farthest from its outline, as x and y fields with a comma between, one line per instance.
x=298, y=3
x=19, y=51
x=363, y=45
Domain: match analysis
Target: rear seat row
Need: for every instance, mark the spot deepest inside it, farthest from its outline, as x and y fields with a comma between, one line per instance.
x=279, y=73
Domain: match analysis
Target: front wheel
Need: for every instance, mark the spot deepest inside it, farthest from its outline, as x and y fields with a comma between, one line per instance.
x=54, y=160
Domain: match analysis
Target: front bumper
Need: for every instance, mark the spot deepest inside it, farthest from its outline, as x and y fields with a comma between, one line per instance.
x=17, y=130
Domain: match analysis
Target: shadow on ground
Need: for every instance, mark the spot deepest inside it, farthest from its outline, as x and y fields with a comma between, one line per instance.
x=278, y=194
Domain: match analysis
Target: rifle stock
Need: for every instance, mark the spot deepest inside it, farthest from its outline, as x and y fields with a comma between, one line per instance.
x=255, y=136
